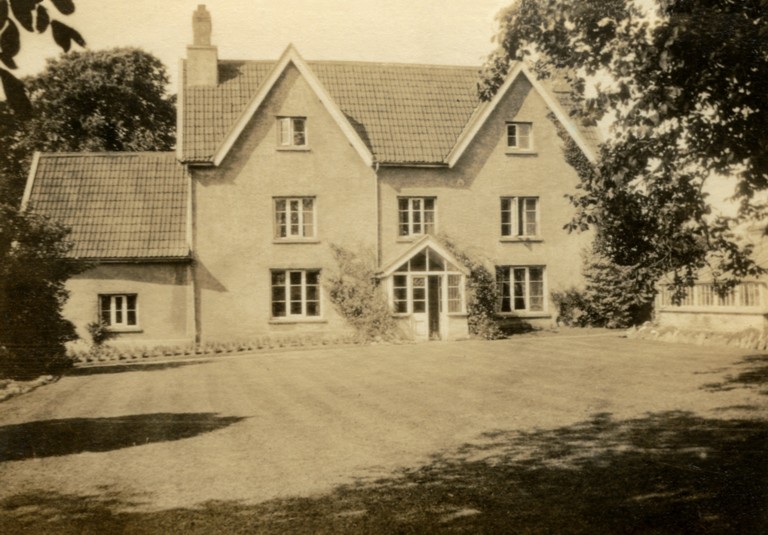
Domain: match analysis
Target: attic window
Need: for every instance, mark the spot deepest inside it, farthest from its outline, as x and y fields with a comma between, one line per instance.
x=292, y=131
x=519, y=136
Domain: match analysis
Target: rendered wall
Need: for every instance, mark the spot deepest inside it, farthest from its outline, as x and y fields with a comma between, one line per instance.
x=233, y=234
x=165, y=300
x=468, y=196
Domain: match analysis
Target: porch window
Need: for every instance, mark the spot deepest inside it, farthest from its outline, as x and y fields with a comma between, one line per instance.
x=118, y=310
x=294, y=218
x=455, y=293
x=521, y=288
x=295, y=293
x=520, y=217
x=416, y=215
x=400, y=294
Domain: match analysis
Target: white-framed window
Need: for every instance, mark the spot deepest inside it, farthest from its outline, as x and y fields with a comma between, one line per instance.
x=455, y=294
x=296, y=293
x=294, y=217
x=292, y=131
x=520, y=136
x=521, y=288
x=519, y=217
x=119, y=310
x=400, y=294
x=416, y=215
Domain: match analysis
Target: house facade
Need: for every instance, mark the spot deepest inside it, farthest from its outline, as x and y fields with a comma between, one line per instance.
x=278, y=162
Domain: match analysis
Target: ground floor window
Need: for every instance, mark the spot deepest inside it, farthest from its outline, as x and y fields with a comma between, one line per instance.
x=295, y=293
x=521, y=288
x=118, y=310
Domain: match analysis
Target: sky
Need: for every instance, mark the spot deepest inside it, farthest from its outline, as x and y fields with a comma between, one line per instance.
x=451, y=32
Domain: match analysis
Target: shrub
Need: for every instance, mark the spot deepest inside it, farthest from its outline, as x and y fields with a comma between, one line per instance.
x=33, y=270
x=572, y=307
x=354, y=290
x=481, y=294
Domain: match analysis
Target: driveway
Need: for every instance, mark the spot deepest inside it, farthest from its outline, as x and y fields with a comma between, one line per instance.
x=582, y=434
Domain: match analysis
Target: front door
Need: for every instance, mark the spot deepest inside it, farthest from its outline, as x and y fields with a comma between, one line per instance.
x=434, y=293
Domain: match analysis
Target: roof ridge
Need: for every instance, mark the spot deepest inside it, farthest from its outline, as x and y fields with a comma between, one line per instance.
x=107, y=153
x=358, y=62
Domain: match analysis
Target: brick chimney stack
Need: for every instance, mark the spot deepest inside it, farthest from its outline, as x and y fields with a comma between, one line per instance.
x=202, y=57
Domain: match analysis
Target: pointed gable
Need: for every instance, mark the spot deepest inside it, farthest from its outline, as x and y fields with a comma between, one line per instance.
x=394, y=114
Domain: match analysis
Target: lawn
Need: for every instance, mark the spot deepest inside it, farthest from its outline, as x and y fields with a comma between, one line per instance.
x=570, y=434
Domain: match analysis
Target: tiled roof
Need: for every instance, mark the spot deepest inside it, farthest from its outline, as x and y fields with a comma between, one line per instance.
x=127, y=205
x=404, y=113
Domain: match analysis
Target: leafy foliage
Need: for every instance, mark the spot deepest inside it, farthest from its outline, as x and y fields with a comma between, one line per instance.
x=354, y=291
x=481, y=293
x=33, y=270
x=33, y=16
x=685, y=88
x=107, y=100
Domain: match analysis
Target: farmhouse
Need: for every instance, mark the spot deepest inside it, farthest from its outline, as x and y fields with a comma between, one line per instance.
x=231, y=235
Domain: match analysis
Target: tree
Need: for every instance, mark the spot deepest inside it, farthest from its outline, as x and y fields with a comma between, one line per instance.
x=33, y=269
x=685, y=86
x=107, y=100
x=32, y=16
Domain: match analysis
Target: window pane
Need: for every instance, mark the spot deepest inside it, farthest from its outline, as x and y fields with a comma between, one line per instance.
x=313, y=277
x=278, y=278
x=285, y=131
x=435, y=262
x=296, y=307
x=536, y=289
x=419, y=263
x=402, y=206
x=454, y=293
x=278, y=309
x=104, y=302
x=299, y=132
x=527, y=210
x=278, y=293
x=506, y=217
x=312, y=293
x=131, y=317
x=313, y=308
x=308, y=217
x=511, y=135
x=518, y=288
x=400, y=281
x=118, y=303
x=524, y=136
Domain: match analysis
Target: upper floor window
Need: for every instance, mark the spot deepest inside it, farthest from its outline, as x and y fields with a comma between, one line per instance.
x=416, y=215
x=519, y=136
x=293, y=131
x=521, y=288
x=295, y=217
x=295, y=293
x=519, y=217
x=118, y=310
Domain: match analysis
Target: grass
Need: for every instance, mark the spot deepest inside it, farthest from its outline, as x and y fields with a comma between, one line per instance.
x=543, y=435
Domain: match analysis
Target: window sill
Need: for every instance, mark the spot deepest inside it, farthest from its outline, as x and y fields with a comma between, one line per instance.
x=292, y=321
x=521, y=152
x=118, y=330
x=289, y=241
x=521, y=240
x=293, y=149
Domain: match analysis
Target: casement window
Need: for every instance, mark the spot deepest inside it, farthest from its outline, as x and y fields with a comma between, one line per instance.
x=416, y=215
x=292, y=131
x=118, y=310
x=521, y=288
x=295, y=293
x=519, y=217
x=455, y=290
x=519, y=136
x=294, y=217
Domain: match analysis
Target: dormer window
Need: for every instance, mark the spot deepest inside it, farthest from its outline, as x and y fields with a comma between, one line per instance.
x=292, y=132
x=519, y=136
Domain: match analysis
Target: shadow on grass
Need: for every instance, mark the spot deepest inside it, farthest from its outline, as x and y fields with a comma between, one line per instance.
x=669, y=472
x=50, y=438
x=754, y=376
x=138, y=367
